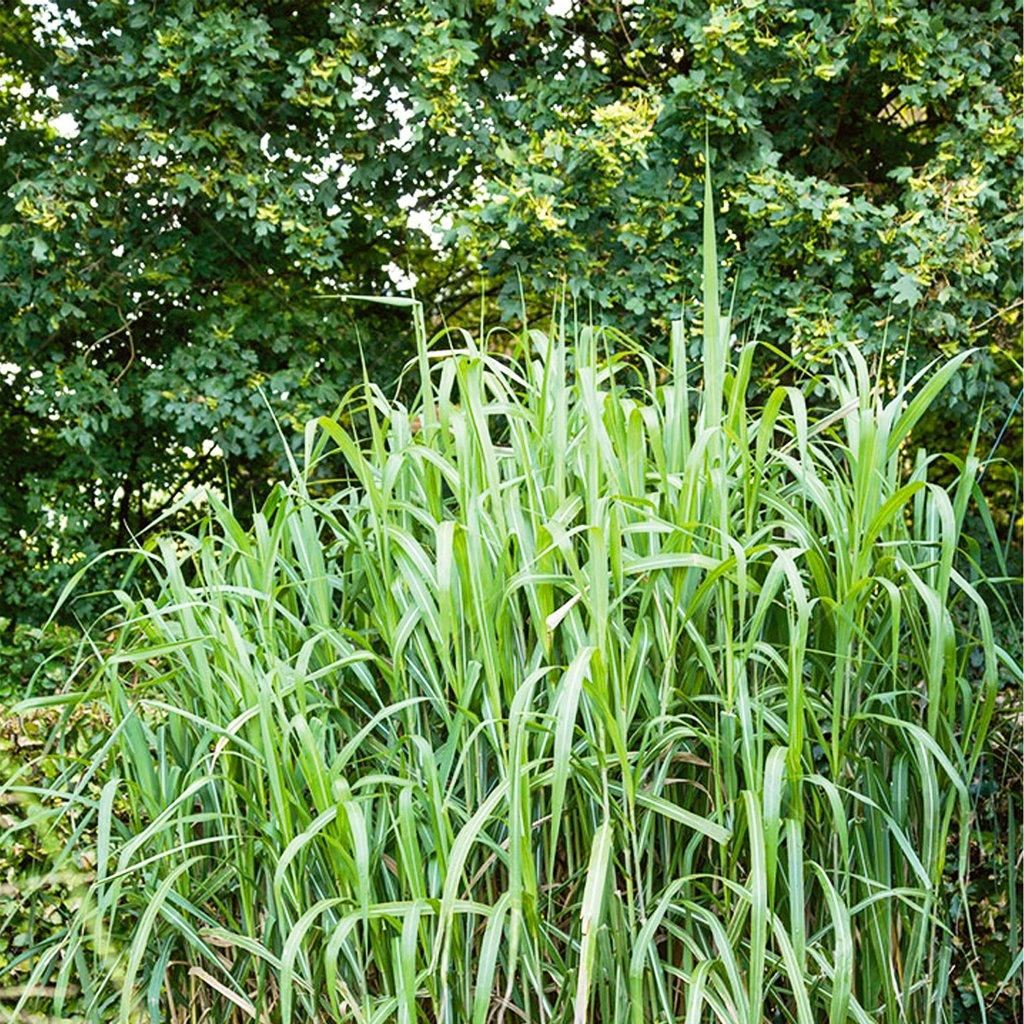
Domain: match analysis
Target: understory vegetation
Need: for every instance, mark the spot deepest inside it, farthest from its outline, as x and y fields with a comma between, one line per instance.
x=576, y=689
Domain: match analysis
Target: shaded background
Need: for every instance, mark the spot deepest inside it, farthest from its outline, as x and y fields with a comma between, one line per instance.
x=181, y=180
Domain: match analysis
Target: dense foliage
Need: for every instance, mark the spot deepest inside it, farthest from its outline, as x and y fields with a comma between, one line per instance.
x=180, y=179
x=576, y=694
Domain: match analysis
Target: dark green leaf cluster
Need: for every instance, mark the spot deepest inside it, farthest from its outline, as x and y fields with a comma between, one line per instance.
x=181, y=180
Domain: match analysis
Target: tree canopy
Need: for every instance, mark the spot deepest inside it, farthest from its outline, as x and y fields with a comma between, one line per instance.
x=183, y=181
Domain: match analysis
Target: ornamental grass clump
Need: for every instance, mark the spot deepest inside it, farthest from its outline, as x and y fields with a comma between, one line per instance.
x=570, y=693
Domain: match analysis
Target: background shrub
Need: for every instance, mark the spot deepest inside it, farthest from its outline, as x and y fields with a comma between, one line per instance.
x=181, y=179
